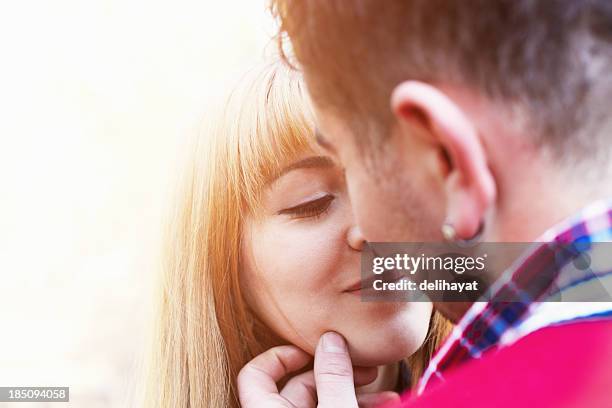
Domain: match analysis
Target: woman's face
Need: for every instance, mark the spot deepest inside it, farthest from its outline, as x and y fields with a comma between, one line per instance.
x=301, y=264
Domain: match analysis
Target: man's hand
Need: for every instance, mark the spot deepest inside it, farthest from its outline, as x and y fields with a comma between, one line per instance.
x=330, y=385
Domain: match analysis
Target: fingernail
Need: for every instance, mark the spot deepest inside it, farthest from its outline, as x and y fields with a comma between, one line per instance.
x=333, y=343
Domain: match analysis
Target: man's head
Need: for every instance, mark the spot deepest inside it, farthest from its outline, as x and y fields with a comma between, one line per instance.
x=469, y=112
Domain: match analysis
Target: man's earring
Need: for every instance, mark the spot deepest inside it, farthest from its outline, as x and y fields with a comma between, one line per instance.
x=450, y=235
x=448, y=232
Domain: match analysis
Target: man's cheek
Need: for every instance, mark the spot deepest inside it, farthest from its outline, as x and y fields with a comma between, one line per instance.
x=374, y=230
x=369, y=207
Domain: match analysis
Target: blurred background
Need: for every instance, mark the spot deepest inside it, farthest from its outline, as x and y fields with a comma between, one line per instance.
x=96, y=98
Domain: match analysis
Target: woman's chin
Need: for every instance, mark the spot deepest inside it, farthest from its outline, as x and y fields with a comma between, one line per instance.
x=387, y=343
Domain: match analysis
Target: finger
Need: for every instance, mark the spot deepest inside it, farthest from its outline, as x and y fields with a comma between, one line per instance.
x=301, y=390
x=334, y=373
x=258, y=377
x=377, y=399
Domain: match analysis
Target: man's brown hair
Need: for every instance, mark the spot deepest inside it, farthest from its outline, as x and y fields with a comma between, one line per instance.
x=549, y=59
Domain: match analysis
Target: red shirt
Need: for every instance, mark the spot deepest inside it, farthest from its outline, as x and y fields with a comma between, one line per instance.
x=569, y=365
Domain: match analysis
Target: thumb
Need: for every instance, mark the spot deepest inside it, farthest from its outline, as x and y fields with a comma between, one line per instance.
x=334, y=373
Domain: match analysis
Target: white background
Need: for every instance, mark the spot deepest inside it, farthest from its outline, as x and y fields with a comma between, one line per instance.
x=95, y=98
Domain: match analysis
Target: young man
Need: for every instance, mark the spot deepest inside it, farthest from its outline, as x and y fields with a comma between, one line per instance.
x=458, y=119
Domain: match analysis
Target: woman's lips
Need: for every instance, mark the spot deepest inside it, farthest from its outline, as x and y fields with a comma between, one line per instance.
x=368, y=283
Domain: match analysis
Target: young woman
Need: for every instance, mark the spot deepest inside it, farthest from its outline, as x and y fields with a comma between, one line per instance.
x=263, y=250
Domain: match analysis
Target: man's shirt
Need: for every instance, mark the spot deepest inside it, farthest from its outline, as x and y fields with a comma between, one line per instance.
x=565, y=277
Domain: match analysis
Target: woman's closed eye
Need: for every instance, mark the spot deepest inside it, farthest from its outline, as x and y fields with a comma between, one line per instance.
x=312, y=208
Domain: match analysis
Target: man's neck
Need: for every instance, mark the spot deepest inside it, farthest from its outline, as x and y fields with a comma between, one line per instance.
x=534, y=198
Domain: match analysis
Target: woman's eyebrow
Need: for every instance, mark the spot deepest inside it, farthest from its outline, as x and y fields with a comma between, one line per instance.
x=307, y=163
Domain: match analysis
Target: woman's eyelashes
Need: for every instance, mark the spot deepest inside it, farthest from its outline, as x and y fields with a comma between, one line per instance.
x=310, y=209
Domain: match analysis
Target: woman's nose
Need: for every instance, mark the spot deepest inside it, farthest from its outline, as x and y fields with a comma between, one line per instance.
x=355, y=238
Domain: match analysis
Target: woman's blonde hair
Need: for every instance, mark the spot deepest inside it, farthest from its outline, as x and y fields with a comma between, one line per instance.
x=204, y=332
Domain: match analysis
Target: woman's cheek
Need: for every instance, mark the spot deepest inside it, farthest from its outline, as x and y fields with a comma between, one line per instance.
x=305, y=255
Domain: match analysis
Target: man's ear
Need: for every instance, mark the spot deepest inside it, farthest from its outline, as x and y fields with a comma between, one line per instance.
x=470, y=185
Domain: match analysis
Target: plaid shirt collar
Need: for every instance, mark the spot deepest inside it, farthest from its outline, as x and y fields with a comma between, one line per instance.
x=490, y=324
